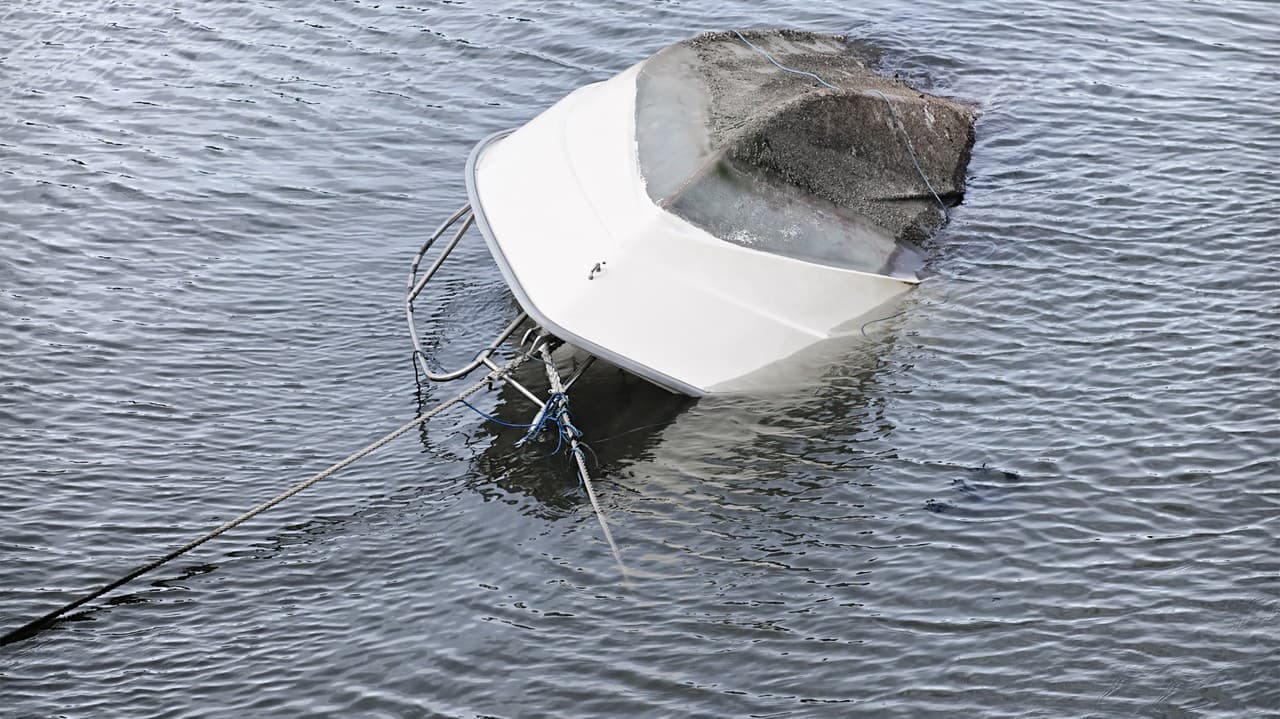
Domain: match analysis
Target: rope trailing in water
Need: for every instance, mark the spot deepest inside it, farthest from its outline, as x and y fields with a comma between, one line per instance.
x=33, y=627
x=893, y=111
x=571, y=433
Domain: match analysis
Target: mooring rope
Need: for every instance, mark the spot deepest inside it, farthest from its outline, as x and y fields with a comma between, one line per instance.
x=31, y=628
x=568, y=431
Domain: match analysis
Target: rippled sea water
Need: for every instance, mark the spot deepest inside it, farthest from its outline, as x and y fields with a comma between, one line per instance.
x=1050, y=488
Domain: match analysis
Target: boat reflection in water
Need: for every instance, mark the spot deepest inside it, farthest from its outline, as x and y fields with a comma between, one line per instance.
x=628, y=422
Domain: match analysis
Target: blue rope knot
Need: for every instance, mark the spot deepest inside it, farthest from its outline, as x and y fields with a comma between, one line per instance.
x=554, y=412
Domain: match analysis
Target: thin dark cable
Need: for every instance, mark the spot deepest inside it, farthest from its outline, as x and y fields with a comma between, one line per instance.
x=868, y=323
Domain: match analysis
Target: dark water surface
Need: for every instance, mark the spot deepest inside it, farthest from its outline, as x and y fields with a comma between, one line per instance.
x=1050, y=489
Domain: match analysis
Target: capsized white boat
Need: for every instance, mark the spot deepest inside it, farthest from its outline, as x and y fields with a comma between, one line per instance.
x=723, y=205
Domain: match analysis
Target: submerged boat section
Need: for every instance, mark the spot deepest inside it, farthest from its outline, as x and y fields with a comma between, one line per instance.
x=721, y=206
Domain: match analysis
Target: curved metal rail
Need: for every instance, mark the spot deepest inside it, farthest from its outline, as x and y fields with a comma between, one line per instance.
x=417, y=284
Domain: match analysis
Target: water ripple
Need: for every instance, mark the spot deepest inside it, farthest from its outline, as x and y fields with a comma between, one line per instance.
x=1045, y=489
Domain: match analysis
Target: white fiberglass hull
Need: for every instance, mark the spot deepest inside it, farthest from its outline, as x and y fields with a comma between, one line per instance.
x=563, y=208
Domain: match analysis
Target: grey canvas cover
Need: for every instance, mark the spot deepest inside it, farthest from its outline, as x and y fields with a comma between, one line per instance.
x=778, y=161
